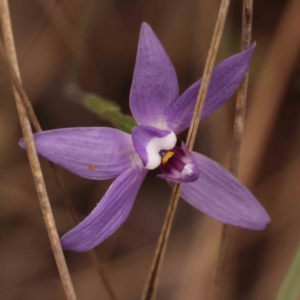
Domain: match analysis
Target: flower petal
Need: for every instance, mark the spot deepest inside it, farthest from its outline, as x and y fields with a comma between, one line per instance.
x=154, y=86
x=220, y=195
x=225, y=79
x=94, y=153
x=149, y=141
x=109, y=214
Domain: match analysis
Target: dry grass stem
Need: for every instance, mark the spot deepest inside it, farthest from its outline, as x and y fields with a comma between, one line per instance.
x=15, y=76
x=11, y=58
x=240, y=109
x=238, y=130
x=209, y=64
x=70, y=37
x=150, y=289
x=237, y=141
x=65, y=196
x=269, y=90
x=267, y=96
x=36, y=125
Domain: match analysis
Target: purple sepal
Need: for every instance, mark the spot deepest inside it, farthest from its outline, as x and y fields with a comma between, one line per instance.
x=142, y=136
x=154, y=86
x=220, y=195
x=181, y=167
x=109, y=214
x=225, y=79
x=94, y=153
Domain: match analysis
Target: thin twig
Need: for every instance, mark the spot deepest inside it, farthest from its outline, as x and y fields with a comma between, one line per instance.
x=36, y=125
x=67, y=201
x=11, y=59
x=240, y=110
x=238, y=130
x=266, y=100
x=62, y=188
x=34, y=41
x=268, y=93
x=150, y=289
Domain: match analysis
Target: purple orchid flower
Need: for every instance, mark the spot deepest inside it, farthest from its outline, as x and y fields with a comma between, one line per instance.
x=103, y=153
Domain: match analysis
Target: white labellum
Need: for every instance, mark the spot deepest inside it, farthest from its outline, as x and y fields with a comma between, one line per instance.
x=156, y=145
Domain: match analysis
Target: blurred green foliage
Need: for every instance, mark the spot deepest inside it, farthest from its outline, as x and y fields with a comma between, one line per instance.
x=290, y=287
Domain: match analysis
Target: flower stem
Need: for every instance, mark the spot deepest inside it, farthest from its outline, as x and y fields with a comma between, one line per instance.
x=11, y=59
x=238, y=130
x=150, y=289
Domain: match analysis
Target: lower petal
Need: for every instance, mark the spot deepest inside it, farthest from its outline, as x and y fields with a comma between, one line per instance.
x=220, y=195
x=109, y=214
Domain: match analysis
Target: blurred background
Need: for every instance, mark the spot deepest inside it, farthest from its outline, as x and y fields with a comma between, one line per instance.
x=93, y=44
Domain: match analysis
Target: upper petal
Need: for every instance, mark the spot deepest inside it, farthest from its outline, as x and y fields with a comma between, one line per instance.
x=94, y=153
x=154, y=86
x=109, y=214
x=225, y=79
x=220, y=195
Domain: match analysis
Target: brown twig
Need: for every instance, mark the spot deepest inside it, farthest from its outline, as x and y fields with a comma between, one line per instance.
x=65, y=196
x=68, y=34
x=240, y=109
x=267, y=97
x=238, y=130
x=11, y=59
x=269, y=89
x=15, y=76
x=150, y=289
x=62, y=188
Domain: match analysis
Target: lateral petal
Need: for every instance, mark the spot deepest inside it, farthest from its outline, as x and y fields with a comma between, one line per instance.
x=109, y=214
x=91, y=152
x=225, y=79
x=220, y=195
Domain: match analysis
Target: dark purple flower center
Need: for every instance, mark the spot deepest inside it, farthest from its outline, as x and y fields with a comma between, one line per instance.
x=178, y=165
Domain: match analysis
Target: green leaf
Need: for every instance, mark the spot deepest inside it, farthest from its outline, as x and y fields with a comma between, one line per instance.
x=290, y=288
x=104, y=109
x=109, y=111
